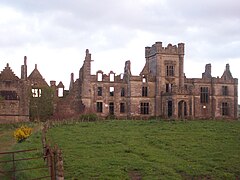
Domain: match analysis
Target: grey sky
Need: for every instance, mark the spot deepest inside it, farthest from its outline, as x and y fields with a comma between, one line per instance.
x=54, y=34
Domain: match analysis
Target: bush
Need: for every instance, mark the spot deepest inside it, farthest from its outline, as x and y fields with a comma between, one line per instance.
x=22, y=133
x=88, y=117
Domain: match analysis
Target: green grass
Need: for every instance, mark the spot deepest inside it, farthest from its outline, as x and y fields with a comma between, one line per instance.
x=8, y=143
x=149, y=149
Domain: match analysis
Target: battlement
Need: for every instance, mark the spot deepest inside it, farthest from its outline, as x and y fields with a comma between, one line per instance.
x=157, y=48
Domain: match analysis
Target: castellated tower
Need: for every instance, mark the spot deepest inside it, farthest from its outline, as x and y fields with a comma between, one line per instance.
x=166, y=64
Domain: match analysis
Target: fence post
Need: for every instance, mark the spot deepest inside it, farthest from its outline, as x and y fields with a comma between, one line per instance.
x=14, y=167
x=59, y=165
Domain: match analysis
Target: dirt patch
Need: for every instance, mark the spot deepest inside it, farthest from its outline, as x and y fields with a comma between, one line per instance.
x=135, y=175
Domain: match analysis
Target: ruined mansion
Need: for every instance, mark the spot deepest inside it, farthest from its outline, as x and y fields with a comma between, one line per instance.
x=160, y=90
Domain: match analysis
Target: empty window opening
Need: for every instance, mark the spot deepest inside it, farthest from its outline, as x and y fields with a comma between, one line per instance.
x=99, y=76
x=121, y=76
x=99, y=107
x=204, y=95
x=225, y=109
x=111, y=108
x=60, y=92
x=8, y=95
x=122, y=92
x=144, y=91
x=36, y=92
x=144, y=79
x=99, y=91
x=112, y=77
x=224, y=90
x=170, y=70
x=111, y=90
x=144, y=108
x=169, y=87
x=122, y=107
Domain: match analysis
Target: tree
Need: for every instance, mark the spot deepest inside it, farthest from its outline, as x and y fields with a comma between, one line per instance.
x=41, y=108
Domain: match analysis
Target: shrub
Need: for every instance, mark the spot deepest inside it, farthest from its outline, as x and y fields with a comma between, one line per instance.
x=88, y=117
x=22, y=133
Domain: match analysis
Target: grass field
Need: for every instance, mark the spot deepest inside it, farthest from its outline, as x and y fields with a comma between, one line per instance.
x=149, y=149
x=8, y=143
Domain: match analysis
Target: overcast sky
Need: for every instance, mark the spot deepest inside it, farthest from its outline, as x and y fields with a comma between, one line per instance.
x=55, y=34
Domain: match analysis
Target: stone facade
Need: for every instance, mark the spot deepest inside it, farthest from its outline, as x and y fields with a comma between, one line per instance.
x=161, y=90
x=15, y=93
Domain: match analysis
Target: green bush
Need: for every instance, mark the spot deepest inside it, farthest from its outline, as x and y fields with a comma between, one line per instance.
x=88, y=117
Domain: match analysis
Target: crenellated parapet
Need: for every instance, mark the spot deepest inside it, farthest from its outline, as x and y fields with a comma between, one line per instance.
x=157, y=48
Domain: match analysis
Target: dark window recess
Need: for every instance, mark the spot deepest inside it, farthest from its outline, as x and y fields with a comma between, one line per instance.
x=170, y=108
x=122, y=92
x=111, y=108
x=144, y=108
x=122, y=107
x=144, y=91
x=9, y=95
x=99, y=107
x=99, y=91
x=224, y=90
x=170, y=70
x=204, y=95
x=169, y=87
x=225, y=109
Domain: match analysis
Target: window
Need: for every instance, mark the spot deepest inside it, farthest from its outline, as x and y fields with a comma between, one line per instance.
x=170, y=70
x=111, y=90
x=121, y=76
x=99, y=91
x=8, y=95
x=169, y=87
x=122, y=92
x=204, y=96
x=99, y=76
x=111, y=108
x=122, y=107
x=225, y=109
x=144, y=79
x=144, y=91
x=60, y=92
x=144, y=108
x=36, y=92
x=111, y=77
x=224, y=90
x=99, y=107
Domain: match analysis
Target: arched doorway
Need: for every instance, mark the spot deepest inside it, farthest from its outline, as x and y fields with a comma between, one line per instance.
x=182, y=109
x=170, y=108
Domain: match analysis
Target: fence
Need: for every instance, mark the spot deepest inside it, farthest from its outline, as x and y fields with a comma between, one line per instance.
x=13, y=161
x=52, y=157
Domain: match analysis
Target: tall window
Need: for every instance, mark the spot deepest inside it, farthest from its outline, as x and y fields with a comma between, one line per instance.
x=99, y=107
x=111, y=91
x=111, y=108
x=144, y=79
x=99, y=91
x=111, y=77
x=122, y=107
x=60, y=92
x=225, y=109
x=144, y=91
x=144, y=108
x=224, y=90
x=99, y=76
x=169, y=87
x=122, y=92
x=170, y=70
x=204, y=95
